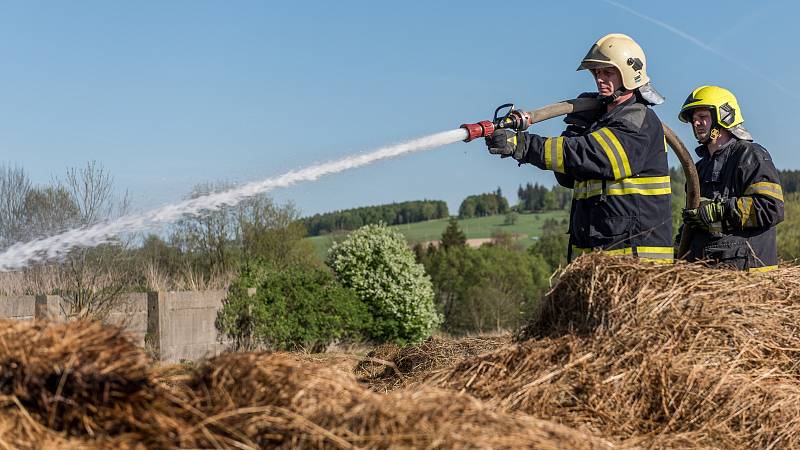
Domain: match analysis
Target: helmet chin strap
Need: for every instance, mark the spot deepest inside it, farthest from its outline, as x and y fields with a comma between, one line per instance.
x=712, y=137
x=609, y=99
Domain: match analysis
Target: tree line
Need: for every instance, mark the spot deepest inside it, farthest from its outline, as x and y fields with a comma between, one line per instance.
x=483, y=205
x=790, y=180
x=390, y=214
x=538, y=198
x=532, y=198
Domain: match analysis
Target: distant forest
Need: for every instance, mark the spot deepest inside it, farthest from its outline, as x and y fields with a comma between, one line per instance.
x=790, y=180
x=482, y=205
x=390, y=214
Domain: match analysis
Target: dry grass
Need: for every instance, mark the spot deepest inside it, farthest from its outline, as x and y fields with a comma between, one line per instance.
x=49, y=279
x=653, y=353
x=37, y=280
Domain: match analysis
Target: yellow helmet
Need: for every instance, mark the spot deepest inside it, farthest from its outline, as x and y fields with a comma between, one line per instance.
x=620, y=51
x=720, y=101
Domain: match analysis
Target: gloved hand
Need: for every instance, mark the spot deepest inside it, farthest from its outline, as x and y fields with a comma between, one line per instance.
x=580, y=121
x=506, y=143
x=707, y=217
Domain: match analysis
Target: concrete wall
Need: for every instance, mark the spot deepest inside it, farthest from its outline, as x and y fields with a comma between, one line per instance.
x=175, y=325
x=181, y=324
x=51, y=307
x=18, y=308
x=130, y=313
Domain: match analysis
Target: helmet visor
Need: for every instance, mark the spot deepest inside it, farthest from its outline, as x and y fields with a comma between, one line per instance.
x=591, y=64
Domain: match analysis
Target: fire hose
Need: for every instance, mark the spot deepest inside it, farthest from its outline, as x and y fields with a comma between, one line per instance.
x=521, y=120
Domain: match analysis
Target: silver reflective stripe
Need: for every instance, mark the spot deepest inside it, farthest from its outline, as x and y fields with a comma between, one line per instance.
x=611, y=150
x=767, y=188
x=655, y=255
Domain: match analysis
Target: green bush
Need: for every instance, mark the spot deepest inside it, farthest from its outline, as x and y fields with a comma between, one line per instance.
x=789, y=229
x=553, y=243
x=295, y=307
x=489, y=288
x=376, y=262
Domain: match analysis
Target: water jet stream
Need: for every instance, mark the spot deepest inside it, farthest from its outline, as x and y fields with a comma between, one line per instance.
x=57, y=246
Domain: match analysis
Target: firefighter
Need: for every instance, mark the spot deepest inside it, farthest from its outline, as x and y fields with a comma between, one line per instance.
x=614, y=159
x=742, y=198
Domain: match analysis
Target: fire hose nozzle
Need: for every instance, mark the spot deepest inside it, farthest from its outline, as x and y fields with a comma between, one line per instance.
x=475, y=130
x=513, y=119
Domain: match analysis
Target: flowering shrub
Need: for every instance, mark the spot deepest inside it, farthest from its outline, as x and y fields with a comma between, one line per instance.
x=377, y=264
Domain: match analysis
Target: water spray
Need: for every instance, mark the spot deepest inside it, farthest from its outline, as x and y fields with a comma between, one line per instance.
x=21, y=255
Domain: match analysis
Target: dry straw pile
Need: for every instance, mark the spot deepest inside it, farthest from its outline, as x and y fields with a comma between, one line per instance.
x=664, y=356
x=83, y=385
x=79, y=385
x=389, y=367
x=278, y=401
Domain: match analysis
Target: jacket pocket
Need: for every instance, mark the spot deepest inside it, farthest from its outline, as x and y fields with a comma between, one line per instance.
x=605, y=231
x=729, y=251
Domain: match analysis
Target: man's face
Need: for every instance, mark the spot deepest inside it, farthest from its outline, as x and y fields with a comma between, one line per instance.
x=608, y=80
x=702, y=123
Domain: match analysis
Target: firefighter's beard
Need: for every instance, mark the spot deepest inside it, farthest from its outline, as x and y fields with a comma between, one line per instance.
x=704, y=135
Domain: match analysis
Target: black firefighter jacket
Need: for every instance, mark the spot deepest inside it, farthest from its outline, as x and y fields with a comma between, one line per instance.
x=617, y=168
x=743, y=175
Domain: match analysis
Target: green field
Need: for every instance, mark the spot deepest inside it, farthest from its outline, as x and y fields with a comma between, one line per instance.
x=527, y=229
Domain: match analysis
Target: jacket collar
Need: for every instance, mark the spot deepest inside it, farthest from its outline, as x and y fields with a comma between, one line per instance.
x=618, y=108
x=702, y=151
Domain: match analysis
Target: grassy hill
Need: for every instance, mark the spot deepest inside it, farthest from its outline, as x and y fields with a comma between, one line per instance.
x=527, y=228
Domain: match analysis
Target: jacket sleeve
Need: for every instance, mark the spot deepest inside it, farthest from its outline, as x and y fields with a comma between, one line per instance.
x=760, y=204
x=613, y=152
x=564, y=179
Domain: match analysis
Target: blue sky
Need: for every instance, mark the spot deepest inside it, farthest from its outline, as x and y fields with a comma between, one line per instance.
x=169, y=94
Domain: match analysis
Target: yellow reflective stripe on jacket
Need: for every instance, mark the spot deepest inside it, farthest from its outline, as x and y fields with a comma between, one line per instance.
x=762, y=269
x=615, y=153
x=747, y=211
x=621, y=150
x=653, y=254
x=773, y=190
x=641, y=186
x=554, y=152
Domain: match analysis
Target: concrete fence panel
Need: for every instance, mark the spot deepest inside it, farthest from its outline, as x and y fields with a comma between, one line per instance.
x=175, y=325
x=130, y=312
x=22, y=307
x=51, y=307
x=181, y=324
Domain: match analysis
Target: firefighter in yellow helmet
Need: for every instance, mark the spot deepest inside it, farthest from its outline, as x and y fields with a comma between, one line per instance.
x=614, y=158
x=742, y=195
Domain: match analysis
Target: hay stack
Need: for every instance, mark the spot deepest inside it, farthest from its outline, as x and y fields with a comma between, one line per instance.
x=68, y=381
x=279, y=401
x=376, y=361
x=406, y=365
x=655, y=354
x=20, y=431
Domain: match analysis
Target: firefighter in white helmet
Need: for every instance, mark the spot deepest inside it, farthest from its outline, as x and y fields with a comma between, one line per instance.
x=614, y=158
